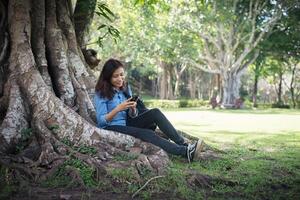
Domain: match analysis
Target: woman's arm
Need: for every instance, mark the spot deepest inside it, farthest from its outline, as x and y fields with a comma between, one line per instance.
x=104, y=116
x=101, y=110
x=123, y=106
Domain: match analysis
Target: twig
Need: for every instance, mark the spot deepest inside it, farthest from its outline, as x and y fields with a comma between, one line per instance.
x=145, y=185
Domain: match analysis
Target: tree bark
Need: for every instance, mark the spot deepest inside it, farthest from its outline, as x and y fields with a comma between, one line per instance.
x=179, y=69
x=37, y=39
x=163, y=81
x=292, y=87
x=279, y=94
x=231, y=85
x=170, y=93
x=3, y=45
x=254, y=97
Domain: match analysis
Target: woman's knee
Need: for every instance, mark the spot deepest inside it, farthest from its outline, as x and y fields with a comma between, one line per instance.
x=156, y=111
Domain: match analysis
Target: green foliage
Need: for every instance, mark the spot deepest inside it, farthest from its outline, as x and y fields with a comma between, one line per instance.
x=67, y=141
x=280, y=105
x=82, y=148
x=59, y=179
x=105, y=28
x=123, y=175
x=7, y=185
x=183, y=103
x=86, y=172
x=85, y=149
x=175, y=183
x=125, y=157
x=23, y=141
x=54, y=127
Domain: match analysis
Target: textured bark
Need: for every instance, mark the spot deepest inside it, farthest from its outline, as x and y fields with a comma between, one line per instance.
x=231, y=85
x=3, y=45
x=192, y=85
x=57, y=57
x=170, y=93
x=16, y=118
x=82, y=81
x=279, y=89
x=163, y=81
x=255, y=86
x=37, y=39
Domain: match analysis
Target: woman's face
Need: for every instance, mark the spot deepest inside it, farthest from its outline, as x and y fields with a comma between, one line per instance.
x=117, y=78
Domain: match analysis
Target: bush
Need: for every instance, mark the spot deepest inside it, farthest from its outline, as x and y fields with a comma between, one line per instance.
x=279, y=105
x=183, y=103
x=264, y=105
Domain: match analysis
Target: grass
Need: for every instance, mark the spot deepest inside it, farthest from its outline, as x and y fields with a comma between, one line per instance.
x=262, y=151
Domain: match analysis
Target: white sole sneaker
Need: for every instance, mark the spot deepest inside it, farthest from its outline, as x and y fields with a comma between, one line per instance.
x=199, y=149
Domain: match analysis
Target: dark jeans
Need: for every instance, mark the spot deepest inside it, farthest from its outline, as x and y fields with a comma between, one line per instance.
x=136, y=127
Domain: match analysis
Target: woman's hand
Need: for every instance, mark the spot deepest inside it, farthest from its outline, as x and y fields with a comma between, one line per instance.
x=126, y=104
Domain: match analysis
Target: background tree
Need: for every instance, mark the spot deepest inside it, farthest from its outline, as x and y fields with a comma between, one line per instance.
x=284, y=46
x=230, y=32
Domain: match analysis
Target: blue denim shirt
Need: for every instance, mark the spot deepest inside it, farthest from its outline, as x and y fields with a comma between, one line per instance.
x=104, y=106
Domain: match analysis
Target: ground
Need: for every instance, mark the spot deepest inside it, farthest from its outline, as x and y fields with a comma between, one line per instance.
x=260, y=161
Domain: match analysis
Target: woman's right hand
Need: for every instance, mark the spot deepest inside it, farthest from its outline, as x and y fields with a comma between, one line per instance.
x=126, y=104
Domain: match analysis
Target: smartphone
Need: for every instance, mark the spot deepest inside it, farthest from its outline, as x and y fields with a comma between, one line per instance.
x=134, y=98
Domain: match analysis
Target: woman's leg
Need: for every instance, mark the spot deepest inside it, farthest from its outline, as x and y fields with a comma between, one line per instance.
x=157, y=117
x=148, y=135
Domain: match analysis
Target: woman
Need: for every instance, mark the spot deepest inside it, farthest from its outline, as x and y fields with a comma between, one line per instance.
x=117, y=113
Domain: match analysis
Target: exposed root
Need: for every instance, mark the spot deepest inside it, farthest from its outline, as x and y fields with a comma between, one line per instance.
x=75, y=175
x=16, y=119
x=17, y=163
x=153, y=178
x=206, y=181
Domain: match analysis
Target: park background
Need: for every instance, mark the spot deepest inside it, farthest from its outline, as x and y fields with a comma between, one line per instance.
x=227, y=72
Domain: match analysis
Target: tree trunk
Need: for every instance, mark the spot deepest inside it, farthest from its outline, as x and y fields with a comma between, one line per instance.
x=47, y=97
x=3, y=46
x=178, y=74
x=254, y=97
x=279, y=94
x=170, y=93
x=231, y=85
x=292, y=87
x=163, y=81
x=192, y=85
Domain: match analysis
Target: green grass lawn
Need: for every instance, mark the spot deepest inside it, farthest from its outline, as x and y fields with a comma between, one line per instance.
x=262, y=152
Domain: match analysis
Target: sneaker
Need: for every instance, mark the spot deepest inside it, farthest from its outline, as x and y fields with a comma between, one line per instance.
x=194, y=150
x=191, y=149
x=199, y=148
x=185, y=144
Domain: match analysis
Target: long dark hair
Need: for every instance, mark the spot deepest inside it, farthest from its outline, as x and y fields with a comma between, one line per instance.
x=104, y=86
